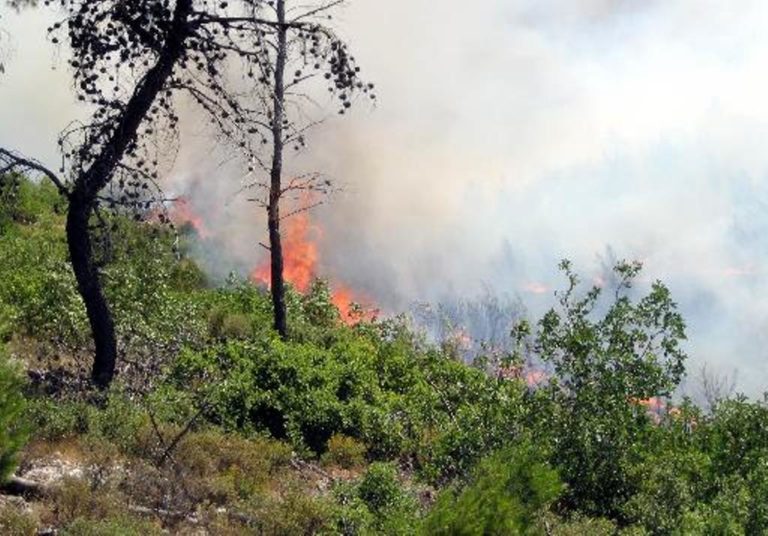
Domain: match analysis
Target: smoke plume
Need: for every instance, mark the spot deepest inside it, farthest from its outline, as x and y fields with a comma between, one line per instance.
x=511, y=134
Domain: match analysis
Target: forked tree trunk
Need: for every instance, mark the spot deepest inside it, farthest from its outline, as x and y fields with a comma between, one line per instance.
x=276, y=176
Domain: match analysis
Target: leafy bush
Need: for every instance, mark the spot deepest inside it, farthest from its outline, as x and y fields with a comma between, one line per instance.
x=346, y=452
x=38, y=290
x=379, y=503
x=52, y=420
x=12, y=430
x=580, y=526
x=187, y=276
x=668, y=486
x=295, y=512
x=15, y=522
x=373, y=391
x=388, y=394
x=228, y=468
x=225, y=325
x=380, y=488
x=75, y=499
x=25, y=202
x=509, y=492
x=737, y=436
x=606, y=359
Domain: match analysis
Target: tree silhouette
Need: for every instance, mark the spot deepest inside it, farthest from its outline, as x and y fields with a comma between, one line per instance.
x=302, y=56
x=130, y=61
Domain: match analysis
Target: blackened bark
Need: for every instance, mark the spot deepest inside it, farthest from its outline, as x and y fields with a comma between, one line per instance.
x=276, y=176
x=90, y=182
x=89, y=286
x=276, y=265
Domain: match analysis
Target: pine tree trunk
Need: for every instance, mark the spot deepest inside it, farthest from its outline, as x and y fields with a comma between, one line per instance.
x=276, y=176
x=89, y=286
x=92, y=180
x=278, y=282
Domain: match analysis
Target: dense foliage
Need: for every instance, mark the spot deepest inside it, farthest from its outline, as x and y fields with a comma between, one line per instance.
x=359, y=429
x=509, y=491
x=12, y=430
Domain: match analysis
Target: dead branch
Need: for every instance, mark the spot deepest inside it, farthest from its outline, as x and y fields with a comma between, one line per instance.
x=21, y=487
x=12, y=162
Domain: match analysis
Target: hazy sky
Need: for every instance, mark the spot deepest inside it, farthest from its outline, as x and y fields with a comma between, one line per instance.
x=510, y=134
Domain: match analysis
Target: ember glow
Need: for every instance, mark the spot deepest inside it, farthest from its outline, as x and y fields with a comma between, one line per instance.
x=536, y=288
x=655, y=406
x=300, y=257
x=533, y=377
x=182, y=213
x=299, y=252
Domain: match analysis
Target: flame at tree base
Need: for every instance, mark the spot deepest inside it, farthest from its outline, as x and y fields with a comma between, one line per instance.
x=300, y=259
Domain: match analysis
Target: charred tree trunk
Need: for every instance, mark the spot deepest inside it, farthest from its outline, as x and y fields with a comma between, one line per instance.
x=92, y=180
x=276, y=265
x=89, y=286
x=276, y=176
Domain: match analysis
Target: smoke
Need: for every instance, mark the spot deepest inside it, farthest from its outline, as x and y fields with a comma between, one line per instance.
x=511, y=134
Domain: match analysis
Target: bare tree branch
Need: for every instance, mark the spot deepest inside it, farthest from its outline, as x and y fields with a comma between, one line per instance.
x=12, y=162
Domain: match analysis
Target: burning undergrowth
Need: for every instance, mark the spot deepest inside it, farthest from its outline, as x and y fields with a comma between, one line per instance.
x=302, y=258
x=473, y=327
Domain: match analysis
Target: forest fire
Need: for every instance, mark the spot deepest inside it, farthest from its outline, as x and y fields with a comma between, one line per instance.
x=301, y=257
x=300, y=254
x=655, y=407
x=182, y=213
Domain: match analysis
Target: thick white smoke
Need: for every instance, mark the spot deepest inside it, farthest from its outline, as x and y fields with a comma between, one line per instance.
x=509, y=134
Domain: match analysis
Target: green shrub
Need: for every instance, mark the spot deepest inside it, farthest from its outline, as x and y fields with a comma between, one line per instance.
x=738, y=508
x=295, y=512
x=350, y=514
x=737, y=435
x=344, y=451
x=52, y=420
x=608, y=352
x=228, y=467
x=186, y=276
x=293, y=391
x=377, y=391
x=25, y=202
x=378, y=504
x=13, y=433
x=118, y=526
x=236, y=327
x=377, y=387
x=38, y=290
x=75, y=499
x=14, y=521
x=118, y=420
x=670, y=483
x=380, y=487
x=578, y=526
x=508, y=494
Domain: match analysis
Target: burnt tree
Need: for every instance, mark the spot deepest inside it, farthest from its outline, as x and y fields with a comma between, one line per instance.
x=131, y=62
x=300, y=56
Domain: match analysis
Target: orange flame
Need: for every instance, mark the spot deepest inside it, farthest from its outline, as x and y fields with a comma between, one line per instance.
x=655, y=407
x=533, y=377
x=344, y=298
x=536, y=288
x=182, y=213
x=300, y=257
